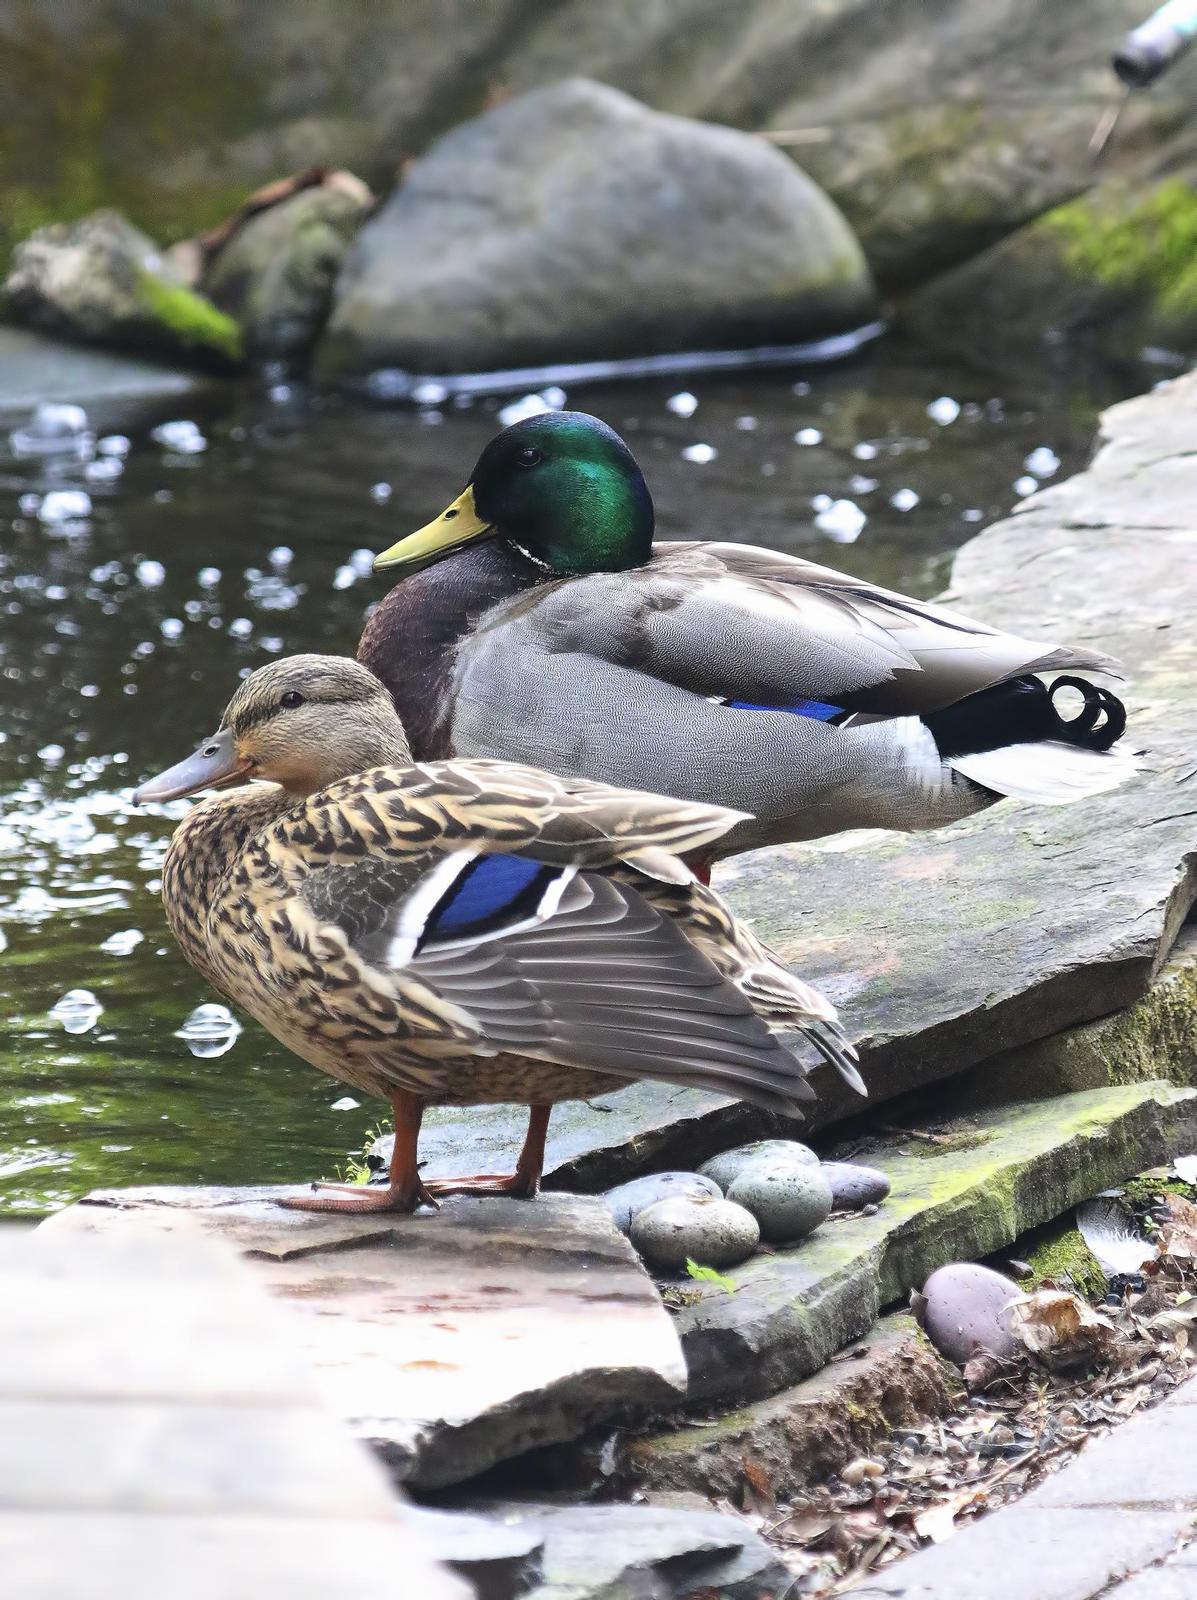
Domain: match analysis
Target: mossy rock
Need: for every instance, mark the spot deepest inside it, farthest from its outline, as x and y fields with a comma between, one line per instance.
x=276, y=274
x=1115, y=268
x=103, y=281
x=1147, y=1190
x=1064, y=1257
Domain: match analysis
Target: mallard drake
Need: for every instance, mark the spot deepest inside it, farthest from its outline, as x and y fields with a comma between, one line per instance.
x=463, y=932
x=539, y=622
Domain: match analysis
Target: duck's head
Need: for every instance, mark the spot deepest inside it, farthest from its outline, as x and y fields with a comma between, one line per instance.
x=302, y=722
x=563, y=489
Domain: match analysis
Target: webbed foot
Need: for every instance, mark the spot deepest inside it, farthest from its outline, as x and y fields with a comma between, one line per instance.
x=359, y=1199
x=521, y=1185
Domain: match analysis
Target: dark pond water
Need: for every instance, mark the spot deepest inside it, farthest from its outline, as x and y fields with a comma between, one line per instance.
x=205, y=551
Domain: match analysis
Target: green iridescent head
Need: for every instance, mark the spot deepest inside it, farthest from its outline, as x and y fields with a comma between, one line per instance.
x=561, y=488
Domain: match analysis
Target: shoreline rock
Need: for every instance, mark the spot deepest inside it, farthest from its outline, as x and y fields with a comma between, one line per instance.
x=275, y=274
x=102, y=281
x=575, y=223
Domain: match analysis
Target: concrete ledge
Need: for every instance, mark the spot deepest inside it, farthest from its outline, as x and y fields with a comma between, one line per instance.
x=160, y=1435
x=1037, y=1555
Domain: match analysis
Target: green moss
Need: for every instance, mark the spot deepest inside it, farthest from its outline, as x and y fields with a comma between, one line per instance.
x=1151, y=245
x=193, y=320
x=1144, y=1191
x=100, y=115
x=1066, y=1258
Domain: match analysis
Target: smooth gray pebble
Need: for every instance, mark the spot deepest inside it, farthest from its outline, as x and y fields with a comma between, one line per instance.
x=854, y=1186
x=965, y=1310
x=627, y=1200
x=788, y=1201
x=713, y=1233
x=725, y=1168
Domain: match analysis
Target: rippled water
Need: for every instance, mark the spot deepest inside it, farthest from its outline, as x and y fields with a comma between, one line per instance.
x=144, y=567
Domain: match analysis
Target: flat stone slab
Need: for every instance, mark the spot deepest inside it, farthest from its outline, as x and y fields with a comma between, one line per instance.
x=1021, y=1554
x=610, y=1552
x=944, y=949
x=957, y=1199
x=454, y=1339
x=159, y=1433
x=803, y=1435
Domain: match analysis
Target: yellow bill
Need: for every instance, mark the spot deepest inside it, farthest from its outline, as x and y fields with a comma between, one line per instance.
x=455, y=526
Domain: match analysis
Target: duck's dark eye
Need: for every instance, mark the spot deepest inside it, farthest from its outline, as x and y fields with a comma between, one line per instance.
x=529, y=456
x=290, y=700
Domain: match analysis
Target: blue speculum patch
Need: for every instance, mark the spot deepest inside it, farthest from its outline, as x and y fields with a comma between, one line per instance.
x=491, y=890
x=818, y=709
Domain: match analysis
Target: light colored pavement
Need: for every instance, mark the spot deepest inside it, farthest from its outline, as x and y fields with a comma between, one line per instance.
x=160, y=1441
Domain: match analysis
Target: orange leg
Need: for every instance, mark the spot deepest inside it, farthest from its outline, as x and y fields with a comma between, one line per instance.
x=404, y=1191
x=523, y=1183
x=701, y=868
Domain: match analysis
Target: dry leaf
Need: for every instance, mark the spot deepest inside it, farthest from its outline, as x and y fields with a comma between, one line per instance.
x=757, y=1490
x=938, y=1522
x=1178, y=1236
x=1061, y=1330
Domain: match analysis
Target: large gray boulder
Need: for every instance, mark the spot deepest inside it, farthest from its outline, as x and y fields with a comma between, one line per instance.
x=937, y=129
x=574, y=223
x=275, y=275
x=102, y=281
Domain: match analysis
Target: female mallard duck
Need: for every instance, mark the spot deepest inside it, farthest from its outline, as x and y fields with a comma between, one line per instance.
x=463, y=932
x=554, y=631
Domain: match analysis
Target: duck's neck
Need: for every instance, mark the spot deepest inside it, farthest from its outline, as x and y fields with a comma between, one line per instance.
x=204, y=845
x=411, y=639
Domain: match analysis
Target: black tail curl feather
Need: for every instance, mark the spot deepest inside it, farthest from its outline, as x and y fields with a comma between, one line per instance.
x=1101, y=721
x=1023, y=711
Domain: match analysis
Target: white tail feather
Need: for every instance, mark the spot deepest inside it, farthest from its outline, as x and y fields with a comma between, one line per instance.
x=1048, y=773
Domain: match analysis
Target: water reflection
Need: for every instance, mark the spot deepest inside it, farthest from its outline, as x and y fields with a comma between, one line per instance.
x=150, y=554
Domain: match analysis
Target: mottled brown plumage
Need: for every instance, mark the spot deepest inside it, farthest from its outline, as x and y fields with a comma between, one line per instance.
x=463, y=932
